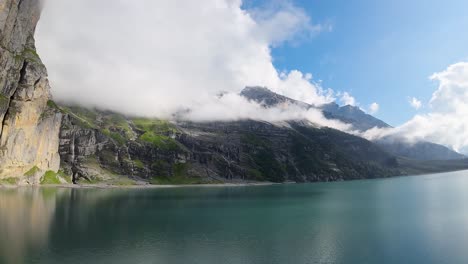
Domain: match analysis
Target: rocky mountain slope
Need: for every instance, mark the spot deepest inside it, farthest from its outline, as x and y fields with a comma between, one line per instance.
x=29, y=128
x=352, y=115
x=347, y=114
x=360, y=121
x=102, y=146
x=41, y=142
x=105, y=146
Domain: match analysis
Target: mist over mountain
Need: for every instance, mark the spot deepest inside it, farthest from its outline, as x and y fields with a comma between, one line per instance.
x=159, y=73
x=136, y=128
x=359, y=123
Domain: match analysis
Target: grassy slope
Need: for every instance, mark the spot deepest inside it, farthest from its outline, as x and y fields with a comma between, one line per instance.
x=262, y=164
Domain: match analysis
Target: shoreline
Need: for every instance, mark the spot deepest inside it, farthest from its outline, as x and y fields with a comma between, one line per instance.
x=204, y=185
x=137, y=186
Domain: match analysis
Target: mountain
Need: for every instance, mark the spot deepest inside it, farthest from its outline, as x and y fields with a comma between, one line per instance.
x=106, y=146
x=267, y=98
x=347, y=114
x=418, y=150
x=352, y=115
x=102, y=146
x=361, y=121
x=42, y=142
x=29, y=127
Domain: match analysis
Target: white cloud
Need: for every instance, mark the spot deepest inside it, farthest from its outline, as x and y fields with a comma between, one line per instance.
x=374, y=108
x=415, y=103
x=446, y=124
x=282, y=20
x=347, y=99
x=157, y=58
x=231, y=107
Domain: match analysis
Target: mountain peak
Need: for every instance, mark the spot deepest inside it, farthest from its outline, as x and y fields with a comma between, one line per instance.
x=268, y=98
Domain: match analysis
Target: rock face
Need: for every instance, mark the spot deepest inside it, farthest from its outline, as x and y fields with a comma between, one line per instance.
x=37, y=136
x=104, y=146
x=352, y=115
x=360, y=121
x=29, y=122
x=347, y=114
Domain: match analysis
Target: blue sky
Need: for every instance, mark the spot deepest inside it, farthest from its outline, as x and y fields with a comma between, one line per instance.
x=380, y=51
x=162, y=58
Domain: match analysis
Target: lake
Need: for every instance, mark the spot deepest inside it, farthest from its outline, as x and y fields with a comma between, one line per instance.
x=420, y=219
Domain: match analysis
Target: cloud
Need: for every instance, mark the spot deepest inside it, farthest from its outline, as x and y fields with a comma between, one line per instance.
x=159, y=58
x=347, y=99
x=446, y=124
x=230, y=107
x=374, y=108
x=415, y=103
x=282, y=20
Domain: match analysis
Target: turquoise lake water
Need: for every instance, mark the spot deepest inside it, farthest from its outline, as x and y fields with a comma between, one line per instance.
x=421, y=219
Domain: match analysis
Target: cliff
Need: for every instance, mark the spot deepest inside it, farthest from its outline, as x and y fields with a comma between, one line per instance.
x=41, y=142
x=101, y=146
x=29, y=126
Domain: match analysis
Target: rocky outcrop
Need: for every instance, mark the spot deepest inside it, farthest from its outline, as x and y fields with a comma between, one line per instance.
x=104, y=146
x=37, y=136
x=29, y=122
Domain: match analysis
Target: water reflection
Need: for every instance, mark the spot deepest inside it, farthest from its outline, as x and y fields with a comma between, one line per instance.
x=25, y=219
x=405, y=220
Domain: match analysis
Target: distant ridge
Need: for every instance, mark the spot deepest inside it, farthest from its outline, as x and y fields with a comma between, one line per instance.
x=352, y=115
x=360, y=121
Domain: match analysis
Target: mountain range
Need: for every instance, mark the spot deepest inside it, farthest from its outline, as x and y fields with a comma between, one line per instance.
x=360, y=121
x=44, y=142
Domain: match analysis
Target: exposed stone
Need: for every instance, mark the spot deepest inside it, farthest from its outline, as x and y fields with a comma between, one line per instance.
x=29, y=127
x=240, y=151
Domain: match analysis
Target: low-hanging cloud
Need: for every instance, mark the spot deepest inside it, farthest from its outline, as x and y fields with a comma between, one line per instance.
x=160, y=58
x=166, y=57
x=447, y=122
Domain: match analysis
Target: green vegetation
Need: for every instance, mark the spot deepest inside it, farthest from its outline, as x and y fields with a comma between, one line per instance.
x=53, y=105
x=107, y=157
x=157, y=132
x=19, y=58
x=139, y=164
x=31, y=52
x=114, y=126
x=117, y=127
x=33, y=171
x=9, y=181
x=304, y=153
x=115, y=136
x=118, y=122
x=4, y=101
x=180, y=169
x=64, y=176
x=50, y=111
x=159, y=141
x=84, y=117
x=179, y=176
x=50, y=177
x=262, y=160
x=28, y=54
x=161, y=167
x=154, y=125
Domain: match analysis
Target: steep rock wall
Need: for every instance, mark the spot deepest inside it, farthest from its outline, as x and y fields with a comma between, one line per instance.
x=29, y=122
